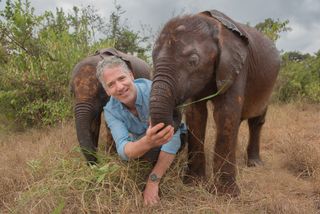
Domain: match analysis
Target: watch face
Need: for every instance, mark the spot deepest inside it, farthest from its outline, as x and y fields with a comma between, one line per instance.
x=153, y=177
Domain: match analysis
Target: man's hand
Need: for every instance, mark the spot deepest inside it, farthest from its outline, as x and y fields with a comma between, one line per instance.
x=150, y=193
x=153, y=138
x=158, y=138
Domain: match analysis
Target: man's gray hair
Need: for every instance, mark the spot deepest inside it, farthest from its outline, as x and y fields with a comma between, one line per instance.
x=110, y=62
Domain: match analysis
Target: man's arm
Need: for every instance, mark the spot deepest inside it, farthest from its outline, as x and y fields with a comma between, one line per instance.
x=151, y=192
x=127, y=149
x=119, y=132
x=166, y=157
x=153, y=138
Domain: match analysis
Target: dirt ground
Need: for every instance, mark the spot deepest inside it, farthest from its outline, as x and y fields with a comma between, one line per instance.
x=288, y=182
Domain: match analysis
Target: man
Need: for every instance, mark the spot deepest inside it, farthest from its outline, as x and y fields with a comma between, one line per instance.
x=127, y=115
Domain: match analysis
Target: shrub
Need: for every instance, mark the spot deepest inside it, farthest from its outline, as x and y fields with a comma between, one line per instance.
x=299, y=78
x=38, y=53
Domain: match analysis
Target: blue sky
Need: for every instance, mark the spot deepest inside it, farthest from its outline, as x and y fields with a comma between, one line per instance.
x=304, y=15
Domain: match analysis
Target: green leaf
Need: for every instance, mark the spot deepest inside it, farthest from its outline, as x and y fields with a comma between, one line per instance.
x=101, y=177
x=59, y=208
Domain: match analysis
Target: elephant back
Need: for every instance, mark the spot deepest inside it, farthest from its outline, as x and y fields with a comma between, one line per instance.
x=228, y=23
x=139, y=68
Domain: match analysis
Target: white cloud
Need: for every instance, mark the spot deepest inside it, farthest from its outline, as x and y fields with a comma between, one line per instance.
x=301, y=38
x=303, y=15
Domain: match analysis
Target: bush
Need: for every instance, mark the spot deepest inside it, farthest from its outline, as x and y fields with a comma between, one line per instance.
x=38, y=53
x=299, y=78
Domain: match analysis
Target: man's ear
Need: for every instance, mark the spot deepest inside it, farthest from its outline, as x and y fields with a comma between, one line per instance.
x=106, y=90
x=131, y=76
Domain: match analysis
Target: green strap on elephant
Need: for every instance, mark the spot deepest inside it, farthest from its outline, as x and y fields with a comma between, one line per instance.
x=225, y=85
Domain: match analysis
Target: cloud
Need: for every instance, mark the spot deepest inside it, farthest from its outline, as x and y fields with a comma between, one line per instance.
x=303, y=15
x=301, y=38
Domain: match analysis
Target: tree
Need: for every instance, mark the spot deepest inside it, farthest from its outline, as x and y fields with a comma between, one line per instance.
x=38, y=52
x=295, y=56
x=272, y=29
x=299, y=78
x=124, y=38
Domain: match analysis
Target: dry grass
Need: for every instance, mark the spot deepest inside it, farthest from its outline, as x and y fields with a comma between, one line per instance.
x=42, y=171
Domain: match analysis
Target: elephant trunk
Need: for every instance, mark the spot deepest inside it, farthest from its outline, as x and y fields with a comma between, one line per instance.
x=163, y=97
x=84, y=116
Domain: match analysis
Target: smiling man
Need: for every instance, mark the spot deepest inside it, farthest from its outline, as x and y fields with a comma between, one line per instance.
x=127, y=115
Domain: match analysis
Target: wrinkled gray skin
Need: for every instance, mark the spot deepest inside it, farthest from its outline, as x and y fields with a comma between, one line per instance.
x=90, y=97
x=195, y=56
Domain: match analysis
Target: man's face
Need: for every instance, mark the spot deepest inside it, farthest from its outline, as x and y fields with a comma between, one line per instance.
x=119, y=84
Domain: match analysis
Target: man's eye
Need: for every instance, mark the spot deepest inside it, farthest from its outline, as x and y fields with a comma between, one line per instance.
x=110, y=85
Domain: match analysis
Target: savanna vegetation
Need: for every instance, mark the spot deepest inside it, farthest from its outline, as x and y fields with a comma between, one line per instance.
x=38, y=52
x=43, y=171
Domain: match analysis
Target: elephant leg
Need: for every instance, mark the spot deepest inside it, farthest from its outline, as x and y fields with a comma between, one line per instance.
x=196, y=116
x=253, y=149
x=111, y=145
x=86, y=125
x=95, y=130
x=227, y=117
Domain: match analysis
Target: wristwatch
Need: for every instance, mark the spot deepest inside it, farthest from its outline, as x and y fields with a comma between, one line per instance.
x=154, y=178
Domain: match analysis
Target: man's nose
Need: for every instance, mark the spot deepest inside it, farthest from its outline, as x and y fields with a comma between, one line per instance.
x=119, y=86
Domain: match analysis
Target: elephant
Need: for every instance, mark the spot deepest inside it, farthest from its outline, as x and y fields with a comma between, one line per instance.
x=90, y=97
x=197, y=55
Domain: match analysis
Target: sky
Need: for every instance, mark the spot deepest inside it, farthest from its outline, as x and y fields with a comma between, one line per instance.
x=303, y=15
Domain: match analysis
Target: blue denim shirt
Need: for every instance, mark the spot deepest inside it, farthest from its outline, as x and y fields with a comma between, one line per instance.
x=126, y=127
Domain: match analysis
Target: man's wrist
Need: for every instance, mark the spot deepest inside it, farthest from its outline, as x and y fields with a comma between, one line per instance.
x=153, y=177
x=147, y=143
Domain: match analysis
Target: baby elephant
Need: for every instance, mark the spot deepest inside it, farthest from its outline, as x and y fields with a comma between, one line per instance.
x=198, y=55
x=90, y=97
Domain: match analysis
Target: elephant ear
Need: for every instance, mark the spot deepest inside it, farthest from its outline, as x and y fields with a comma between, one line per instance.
x=232, y=42
x=138, y=67
x=113, y=52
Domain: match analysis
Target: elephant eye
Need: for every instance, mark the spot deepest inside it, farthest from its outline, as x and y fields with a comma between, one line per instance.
x=194, y=60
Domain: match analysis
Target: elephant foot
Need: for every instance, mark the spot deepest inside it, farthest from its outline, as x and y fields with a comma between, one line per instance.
x=192, y=179
x=189, y=180
x=193, y=171
x=231, y=190
x=254, y=162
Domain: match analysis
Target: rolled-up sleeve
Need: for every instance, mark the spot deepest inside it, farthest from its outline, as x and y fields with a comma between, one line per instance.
x=119, y=133
x=173, y=145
